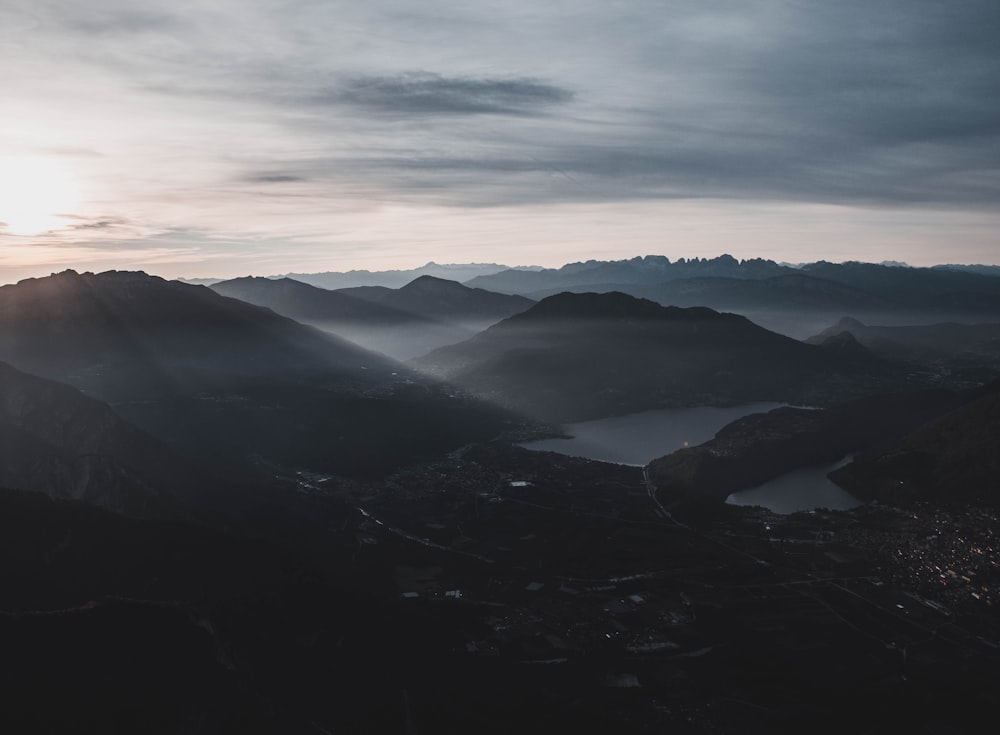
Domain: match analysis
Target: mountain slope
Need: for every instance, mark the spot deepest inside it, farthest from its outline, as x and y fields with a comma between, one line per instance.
x=788, y=291
x=951, y=460
x=446, y=300
x=794, y=304
x=397, y=332
x=760, y=447
x=57, y=441
x=796, y=301
x=402, y=323
x=306, y=303
x=91, y=326
x=576, y=356
x=226, y=379
x=968, y=353
x=917, y=289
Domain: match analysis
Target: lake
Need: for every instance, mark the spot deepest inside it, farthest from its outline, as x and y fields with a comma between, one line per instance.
x=803, y=489
x=639, y=438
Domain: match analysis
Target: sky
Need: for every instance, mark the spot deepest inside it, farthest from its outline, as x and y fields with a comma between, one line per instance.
x=235, y=137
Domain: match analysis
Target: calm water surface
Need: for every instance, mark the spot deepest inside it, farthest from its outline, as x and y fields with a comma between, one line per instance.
x=639, y=438
x=803, y=489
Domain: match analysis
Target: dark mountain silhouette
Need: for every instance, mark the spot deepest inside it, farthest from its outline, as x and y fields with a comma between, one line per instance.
x=797, y=301
x=576, y=356
x=950, y=460
x=986, y=270
x=55, y=440
x=924, y=290
x=393, y=331
x=847, y=346
x=648, y=270
x=922, y=341
x=227, y=379
x=789, y=291
x=306, y=303
x=92, y=327
x=961, y=355
x=448, y=301
x=398, y=278
x=760, y=447
x=902, y=286
x=402, y=323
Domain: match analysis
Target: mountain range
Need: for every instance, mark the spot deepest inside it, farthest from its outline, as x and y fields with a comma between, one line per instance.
x=581, y=356
x=215, y=518
x=402, y=323
x=964, y=355
x=794, y=300
x=228, y=380
x=398, y=278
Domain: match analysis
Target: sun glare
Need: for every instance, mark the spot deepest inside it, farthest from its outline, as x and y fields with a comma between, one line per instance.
x=35, y=195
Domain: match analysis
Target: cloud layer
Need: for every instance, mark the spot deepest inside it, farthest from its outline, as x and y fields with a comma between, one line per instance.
x=243, y=119
x=421, y=93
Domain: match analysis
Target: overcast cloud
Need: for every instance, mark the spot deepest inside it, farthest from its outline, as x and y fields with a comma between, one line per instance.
x=224, y=124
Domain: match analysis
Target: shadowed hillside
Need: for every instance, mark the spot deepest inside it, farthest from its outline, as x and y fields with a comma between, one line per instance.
x=577, y=356
x=951, y=460
x=962, y=354
x=446, y=300
x=402, y=323
x=760, y=447
x=55, y=440
x=228, y=380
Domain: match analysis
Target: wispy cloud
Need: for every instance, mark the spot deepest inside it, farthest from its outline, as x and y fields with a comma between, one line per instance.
x=274, y=179
x=423, y=93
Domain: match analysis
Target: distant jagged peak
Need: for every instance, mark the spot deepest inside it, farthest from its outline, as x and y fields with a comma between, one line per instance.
x=71, y=281
x=434, y=264
x=63, y=276
x=250, y=278
x=118, y=277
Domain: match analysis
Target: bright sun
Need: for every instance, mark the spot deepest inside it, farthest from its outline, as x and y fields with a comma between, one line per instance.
x=34, y=192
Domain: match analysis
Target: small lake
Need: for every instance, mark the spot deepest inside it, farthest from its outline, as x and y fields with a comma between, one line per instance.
x=803, y=489
x=639, y=438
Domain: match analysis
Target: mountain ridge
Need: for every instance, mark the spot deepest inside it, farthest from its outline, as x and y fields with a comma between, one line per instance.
x=578, y=356
x=426, y=313
x=223, y=378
